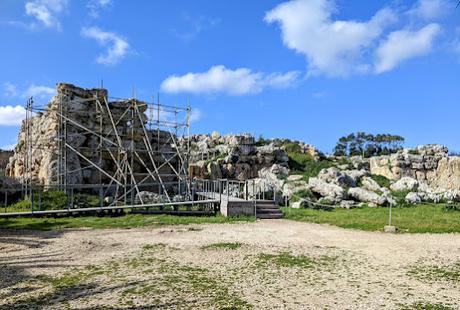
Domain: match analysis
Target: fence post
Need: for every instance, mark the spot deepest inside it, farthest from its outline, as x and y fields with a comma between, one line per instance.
x=101, y=198
x=32, y=200
x=228, y=191
x=220, y=192
x=6, y=199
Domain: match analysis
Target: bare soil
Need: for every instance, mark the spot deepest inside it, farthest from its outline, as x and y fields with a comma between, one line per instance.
x=277, y=264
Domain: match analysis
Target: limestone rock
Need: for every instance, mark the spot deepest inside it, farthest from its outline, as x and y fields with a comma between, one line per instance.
x=149, y=197
x=299, y=204
x=405, y=184
x=80, y=107
x=294, y=177
x=370, y=185
x=347, y=204
x=332, y=191
x=337, y=177
x=363, y=195
x=413, y=198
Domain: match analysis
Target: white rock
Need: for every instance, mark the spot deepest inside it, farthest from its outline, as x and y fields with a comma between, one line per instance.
x=413, y=198
x=325, y=189
x=364, y=195
x=405, y=184
x=369, y=184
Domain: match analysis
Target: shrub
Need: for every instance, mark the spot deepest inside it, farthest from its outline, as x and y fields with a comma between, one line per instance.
x=452, y=207
x=381, y=180
x=52, y=200
x=86, y=201
x=304, y=193
x=22, y=205
x=401, y=198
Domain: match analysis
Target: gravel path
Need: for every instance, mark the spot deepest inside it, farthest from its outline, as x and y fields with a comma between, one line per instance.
x=136, y=268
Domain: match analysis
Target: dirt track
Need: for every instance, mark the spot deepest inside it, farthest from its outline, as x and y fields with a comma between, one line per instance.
x=170, y=267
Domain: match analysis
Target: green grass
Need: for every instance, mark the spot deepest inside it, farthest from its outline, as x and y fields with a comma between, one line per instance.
x=162, y=281
x=128, y=221
x=381, y=180
x=432, y=273
x=424, y=218
x=426, y=306
x=286, y=259
x=223, y=245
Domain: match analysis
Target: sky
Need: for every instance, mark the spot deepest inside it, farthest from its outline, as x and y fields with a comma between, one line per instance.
x=311, y=70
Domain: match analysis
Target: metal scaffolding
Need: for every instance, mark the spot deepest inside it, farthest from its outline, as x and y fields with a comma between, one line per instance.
x=139, y=147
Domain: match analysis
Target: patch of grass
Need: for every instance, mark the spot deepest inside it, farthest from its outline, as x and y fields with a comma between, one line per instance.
x=426, y=306
x=286, y=259
x=69, y=279
x=423, y=218
x=223, y=245
x=156, y=246
x=381, y=180
x=127, y=221
x=304, y=193
x=452, y=207
x=164, y=282
x=312, y=168
x=431, y=273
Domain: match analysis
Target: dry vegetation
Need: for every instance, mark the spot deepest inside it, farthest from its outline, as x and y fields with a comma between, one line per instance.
x=262, y=265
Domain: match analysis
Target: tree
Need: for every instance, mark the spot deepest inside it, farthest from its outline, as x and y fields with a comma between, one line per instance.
x=368, y=145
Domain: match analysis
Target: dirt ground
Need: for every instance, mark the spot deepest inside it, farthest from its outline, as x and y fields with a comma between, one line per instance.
x=270, y=264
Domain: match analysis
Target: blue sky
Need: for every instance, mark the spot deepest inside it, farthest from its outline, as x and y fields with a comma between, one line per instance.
x=312, y=70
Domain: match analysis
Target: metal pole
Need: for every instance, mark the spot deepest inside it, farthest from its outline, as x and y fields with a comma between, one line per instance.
x=389, y=218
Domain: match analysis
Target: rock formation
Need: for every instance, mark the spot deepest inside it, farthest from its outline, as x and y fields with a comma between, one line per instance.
x=79, y=118
x=429, y=164
x=235, y=157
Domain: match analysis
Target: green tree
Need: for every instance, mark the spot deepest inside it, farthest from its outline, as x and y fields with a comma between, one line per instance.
x=368, y=145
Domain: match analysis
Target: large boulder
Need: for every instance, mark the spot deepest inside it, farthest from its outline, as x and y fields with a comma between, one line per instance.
x=335, y=176
x=413, y=198
x=149, y=197
x=330, y=190
x=405, y=184
x=363, y=195
x=369, y=184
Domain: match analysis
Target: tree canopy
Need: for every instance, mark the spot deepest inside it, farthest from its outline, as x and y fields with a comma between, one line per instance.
x=368, y=145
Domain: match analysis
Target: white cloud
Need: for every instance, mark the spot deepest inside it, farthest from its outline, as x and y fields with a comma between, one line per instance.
x=11, y=115
x=10, y=89
x=95, y=6
x=405, y=44
x=219, y=79
x=117, y=47
x=46, y=11
x=332, y=47
x=430, y=9
x=32, y=90
x=195, y=115
x=39, y=91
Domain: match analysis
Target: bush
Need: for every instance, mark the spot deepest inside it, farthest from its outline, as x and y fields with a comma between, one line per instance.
x=20, y=206
x=86, y=201
x=304, y=193
x=452, y=207
x=401, y=198
x=381, y=180
x=51, y=200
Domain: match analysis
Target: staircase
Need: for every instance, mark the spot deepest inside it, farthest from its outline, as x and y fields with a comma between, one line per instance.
x=267, y=209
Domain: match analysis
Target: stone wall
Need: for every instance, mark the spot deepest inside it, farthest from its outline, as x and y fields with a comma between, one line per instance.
x=428, y=164
x=85, y=115
x=235, y=157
